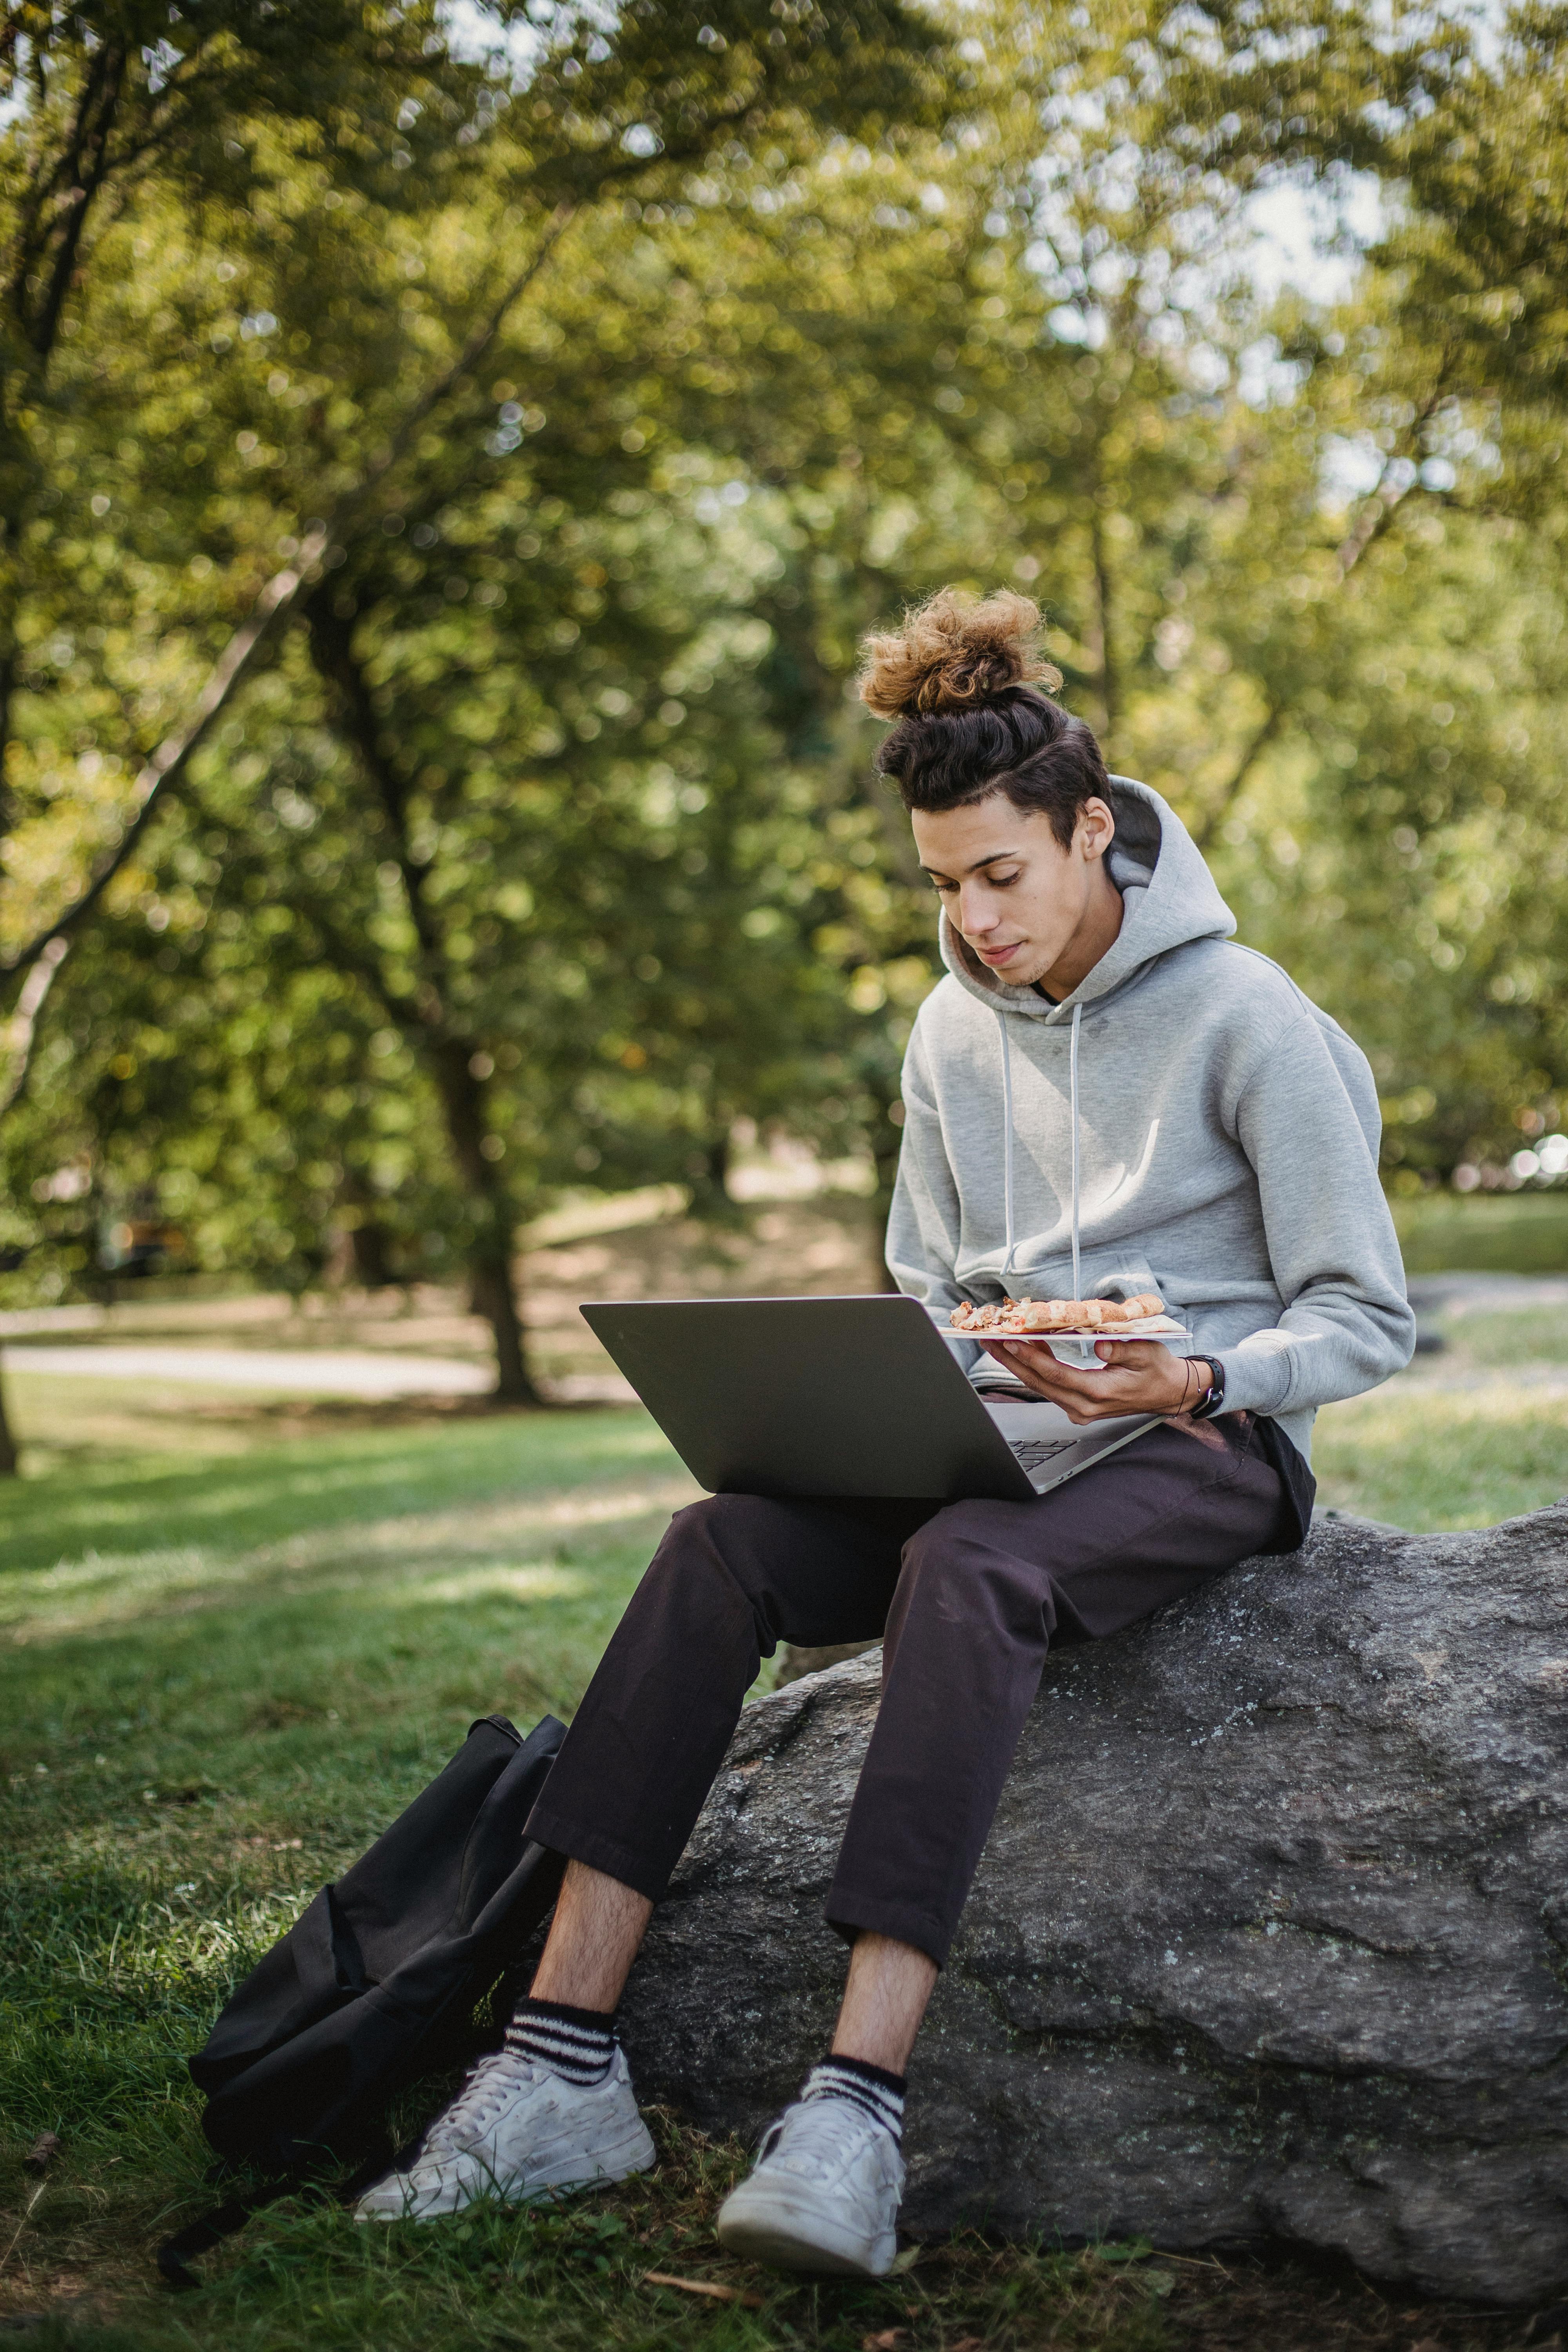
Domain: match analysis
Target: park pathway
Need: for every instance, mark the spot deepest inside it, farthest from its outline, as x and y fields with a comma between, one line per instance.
x=387, y=1373
x=303, y=1371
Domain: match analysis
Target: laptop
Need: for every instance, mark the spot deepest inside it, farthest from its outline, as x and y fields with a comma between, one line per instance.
x=839, y=1396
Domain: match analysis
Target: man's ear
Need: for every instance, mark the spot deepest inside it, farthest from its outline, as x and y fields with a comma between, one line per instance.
x=1096, y=828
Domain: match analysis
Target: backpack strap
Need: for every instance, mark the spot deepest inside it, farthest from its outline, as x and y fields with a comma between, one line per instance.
x=200, y=2237
x=226, y=2220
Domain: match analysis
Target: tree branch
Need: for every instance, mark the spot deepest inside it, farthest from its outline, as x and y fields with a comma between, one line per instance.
x=339, y=945
x=1378, y=512
x=1204, y=834
x=56, y=191
x=479, y=342
x=25, y=1020
x=1379, y=508
x=1110, y=698
x=77, y=202
x=352, y=959
x=169, y=761
x=333, y=652
x=272, y=606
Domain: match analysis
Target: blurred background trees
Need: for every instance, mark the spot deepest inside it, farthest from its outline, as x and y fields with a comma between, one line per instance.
x=540, y=849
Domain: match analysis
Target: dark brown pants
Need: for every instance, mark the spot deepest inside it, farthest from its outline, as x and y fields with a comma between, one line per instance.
x=968, y=1597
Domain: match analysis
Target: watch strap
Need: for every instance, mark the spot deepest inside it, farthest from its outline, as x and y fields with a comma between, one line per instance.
x=1212, y=1402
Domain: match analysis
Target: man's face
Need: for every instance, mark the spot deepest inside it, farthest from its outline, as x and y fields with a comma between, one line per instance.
x=1017, y=895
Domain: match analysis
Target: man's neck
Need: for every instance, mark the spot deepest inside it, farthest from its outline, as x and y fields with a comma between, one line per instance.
x=1095, y=935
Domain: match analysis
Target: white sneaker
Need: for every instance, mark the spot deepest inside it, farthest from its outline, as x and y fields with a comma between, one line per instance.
x=517, y=2132
x=823, y=2196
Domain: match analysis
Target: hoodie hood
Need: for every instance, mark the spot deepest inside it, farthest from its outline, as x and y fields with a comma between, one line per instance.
x=1186, y=1122
x=1169, y=897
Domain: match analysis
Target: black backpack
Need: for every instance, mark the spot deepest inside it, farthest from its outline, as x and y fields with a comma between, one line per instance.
x=377, y=1981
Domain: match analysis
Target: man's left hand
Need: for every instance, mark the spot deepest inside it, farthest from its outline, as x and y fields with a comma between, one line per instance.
x=1140, y=1377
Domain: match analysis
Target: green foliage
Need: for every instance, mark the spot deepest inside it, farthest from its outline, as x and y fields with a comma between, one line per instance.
x=546, y=845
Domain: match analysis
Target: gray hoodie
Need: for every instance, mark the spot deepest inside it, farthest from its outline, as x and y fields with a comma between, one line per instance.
x=1186, y=1121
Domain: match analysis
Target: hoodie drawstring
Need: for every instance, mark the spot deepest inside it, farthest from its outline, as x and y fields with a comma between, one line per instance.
x=1007, y=1142
x=1072, y=1081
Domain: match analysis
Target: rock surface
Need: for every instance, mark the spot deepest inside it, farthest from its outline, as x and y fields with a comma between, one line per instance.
x=1270, y=1939
x=794, y=1663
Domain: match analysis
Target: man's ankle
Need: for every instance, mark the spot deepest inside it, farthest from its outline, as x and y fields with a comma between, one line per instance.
x=598, y=1926
x=577, y=2044
x=877, y=2093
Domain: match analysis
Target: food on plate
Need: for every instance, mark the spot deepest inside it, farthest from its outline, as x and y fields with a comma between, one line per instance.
x=1014, y=1317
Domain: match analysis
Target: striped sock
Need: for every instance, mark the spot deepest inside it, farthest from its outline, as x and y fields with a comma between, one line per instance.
x=578, y=2044
x=880, y=2094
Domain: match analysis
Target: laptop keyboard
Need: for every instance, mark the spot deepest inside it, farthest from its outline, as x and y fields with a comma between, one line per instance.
x=1034, y=1452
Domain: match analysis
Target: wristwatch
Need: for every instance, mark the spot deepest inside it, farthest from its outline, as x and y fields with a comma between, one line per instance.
x=1211, y=1401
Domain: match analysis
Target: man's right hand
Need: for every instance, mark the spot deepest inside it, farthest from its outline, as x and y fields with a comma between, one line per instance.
x=1140, y=1376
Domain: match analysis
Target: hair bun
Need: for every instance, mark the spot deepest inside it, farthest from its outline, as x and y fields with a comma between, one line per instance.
x=953, y=652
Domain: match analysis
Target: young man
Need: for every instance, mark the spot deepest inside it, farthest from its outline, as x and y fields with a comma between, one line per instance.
x=1104, y=1097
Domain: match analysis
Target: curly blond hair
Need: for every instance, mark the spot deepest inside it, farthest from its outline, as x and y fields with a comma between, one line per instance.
x=961, y=682
x=953, y=652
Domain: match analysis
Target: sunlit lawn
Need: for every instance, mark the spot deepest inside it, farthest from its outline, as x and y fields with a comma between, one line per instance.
x=1476, y=1435
x=234, y=1642
x=1502, y=1233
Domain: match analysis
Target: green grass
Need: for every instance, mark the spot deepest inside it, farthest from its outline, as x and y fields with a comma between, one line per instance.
x=267, y=1495
x=1433, y=1462
x=221, y=1673
x=1464, y=1439
x=1485, y=1232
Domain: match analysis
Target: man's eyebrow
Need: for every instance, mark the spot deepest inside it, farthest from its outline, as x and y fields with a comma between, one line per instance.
x=995, y=859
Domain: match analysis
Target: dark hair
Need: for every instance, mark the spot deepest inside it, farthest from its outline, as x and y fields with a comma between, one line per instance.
x=958, y=681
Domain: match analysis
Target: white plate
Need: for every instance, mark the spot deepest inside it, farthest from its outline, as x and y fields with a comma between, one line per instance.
x=1078, y=1348
x=1147, y=1327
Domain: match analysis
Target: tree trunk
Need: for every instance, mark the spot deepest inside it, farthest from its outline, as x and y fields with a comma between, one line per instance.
x=495, y=1299
x=450, y=1058
x=369, y=1242
x=370, y=1255
x=887, y=1144
x=43, y=258
x=491, y=1253
x=10, y=1467
x=708, y=1174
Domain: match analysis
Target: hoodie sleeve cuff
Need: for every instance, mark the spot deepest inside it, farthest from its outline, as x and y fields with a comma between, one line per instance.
x=1258, y=1374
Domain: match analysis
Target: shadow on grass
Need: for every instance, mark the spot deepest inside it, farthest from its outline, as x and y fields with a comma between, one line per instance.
x=277, y=1490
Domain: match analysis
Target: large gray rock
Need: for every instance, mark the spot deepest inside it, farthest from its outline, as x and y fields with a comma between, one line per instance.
x=1270, y=1939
